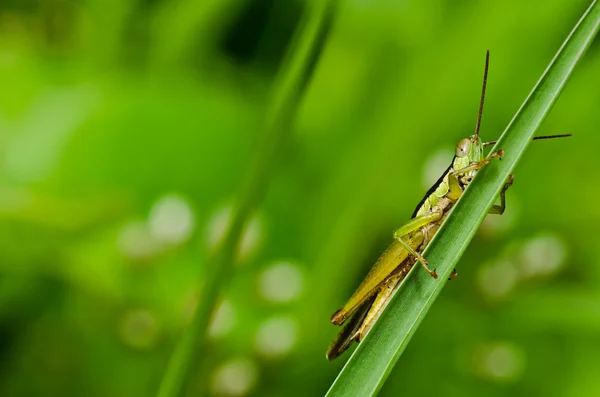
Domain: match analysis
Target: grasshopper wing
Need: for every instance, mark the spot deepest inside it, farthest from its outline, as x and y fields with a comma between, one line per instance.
x=349, y=333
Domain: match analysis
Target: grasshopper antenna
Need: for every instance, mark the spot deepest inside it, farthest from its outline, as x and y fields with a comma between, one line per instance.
x=535, y=138
x=485, y=73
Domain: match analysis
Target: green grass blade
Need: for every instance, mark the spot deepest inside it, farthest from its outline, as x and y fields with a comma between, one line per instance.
x=288, y=90
x=367, y=369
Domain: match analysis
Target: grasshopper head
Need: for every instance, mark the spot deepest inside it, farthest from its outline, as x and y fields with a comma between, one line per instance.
x=468, y=150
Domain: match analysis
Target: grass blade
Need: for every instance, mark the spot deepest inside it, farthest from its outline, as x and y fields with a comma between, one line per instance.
x=289, y=88
x=367, y=369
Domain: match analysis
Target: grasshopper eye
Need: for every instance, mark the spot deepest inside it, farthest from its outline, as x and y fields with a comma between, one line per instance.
x=463, y=148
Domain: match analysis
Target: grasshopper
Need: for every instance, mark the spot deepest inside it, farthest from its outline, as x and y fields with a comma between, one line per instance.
x=386, y=275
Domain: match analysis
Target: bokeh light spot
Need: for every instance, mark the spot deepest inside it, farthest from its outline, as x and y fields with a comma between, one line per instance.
x=281, y=282
x=542, y=256
x=171, y=220
x=501, y=361
x=497, y=279
x=276, y=337
x=236, y=377
x=136, y=242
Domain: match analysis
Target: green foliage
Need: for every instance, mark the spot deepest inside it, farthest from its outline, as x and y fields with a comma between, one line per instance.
x=128, y=129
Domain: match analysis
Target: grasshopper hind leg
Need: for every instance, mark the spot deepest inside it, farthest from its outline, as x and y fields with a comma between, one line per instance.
x=382, y=299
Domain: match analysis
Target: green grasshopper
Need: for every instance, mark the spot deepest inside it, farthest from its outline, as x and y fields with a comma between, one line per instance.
x=384, y=278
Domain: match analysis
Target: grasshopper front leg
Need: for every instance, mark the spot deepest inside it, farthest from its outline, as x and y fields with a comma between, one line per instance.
x=496, y=209
x=475, y=166
x=499, y=209
x=412, y=226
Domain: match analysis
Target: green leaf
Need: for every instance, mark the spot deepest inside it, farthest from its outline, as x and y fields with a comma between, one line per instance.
x=367, y=369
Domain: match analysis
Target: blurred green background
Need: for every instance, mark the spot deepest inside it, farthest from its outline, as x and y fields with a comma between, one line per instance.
x=126, y=131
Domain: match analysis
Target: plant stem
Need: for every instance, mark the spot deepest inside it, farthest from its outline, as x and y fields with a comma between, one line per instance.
x=289, y=87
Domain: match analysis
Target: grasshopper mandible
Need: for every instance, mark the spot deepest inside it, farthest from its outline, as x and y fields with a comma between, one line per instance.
x=386, y=275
